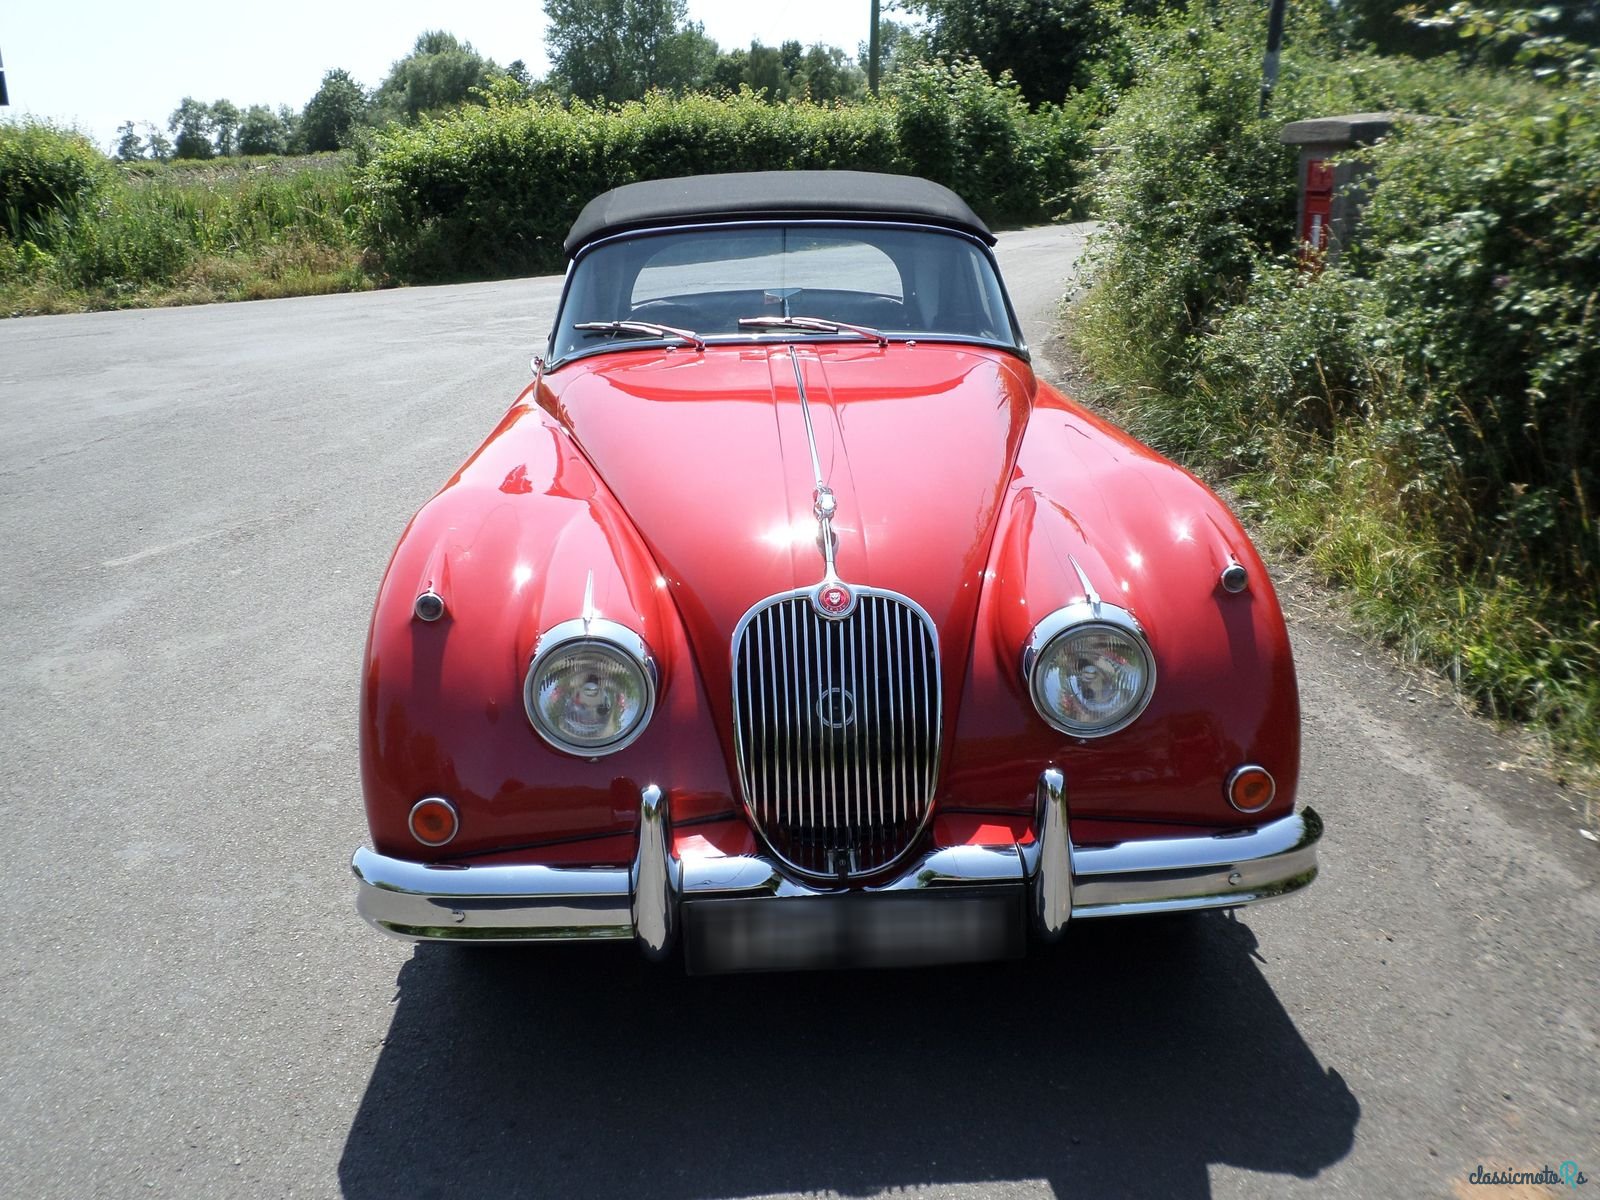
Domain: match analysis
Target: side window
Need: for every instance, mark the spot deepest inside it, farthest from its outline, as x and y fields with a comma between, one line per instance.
x=988, y=316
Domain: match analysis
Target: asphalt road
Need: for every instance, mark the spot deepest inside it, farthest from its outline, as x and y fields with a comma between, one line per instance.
x=195, y=509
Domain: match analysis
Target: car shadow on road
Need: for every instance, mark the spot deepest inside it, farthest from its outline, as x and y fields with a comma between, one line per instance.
x=1123, y=1063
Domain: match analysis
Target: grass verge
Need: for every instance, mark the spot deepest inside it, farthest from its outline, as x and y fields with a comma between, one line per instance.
x=152, y=235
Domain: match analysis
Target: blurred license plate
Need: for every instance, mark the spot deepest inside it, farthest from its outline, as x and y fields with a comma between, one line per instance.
x=854, y=930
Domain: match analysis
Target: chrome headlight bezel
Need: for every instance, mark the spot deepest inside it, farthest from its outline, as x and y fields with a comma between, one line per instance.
x=1076, y=618
x=612, y=638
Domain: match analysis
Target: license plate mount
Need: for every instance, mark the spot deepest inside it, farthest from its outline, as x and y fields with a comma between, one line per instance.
x=854, y=929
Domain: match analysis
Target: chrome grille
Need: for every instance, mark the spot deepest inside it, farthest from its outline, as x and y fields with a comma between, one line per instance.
x=837, y=728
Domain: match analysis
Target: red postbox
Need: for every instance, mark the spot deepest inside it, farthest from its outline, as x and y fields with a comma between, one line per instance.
x=1316, y=207
x=1331, y=178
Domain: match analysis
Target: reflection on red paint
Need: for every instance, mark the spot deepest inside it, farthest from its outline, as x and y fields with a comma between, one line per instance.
x=516, y=481
x=961, y=483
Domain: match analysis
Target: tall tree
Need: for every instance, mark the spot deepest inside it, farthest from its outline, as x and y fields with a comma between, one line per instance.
x=619, y=49
x=688, y=58
x=898, y=45
x=1047, y=45
x=130, y=145
x=192, y=127
x=261, y=131
x=290, y=120
x=333, y=114
x=440, y=72
x=225, y=126
x=764, y=71
x=730, y=72
x=160, y=146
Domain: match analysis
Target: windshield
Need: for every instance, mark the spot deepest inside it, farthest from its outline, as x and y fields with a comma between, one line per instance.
x=903, y=283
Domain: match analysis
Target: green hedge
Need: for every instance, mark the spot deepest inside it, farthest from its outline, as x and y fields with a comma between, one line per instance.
x=1422, y=418
x=491, y=191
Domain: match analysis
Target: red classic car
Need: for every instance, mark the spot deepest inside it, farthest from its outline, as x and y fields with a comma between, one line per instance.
x=788, y=619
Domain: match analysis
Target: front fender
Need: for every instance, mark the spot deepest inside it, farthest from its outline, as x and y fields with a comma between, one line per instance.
x=524, y=537
x=1150, y=538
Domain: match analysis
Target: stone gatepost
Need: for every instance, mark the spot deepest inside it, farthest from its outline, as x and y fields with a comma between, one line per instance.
x=1331, y=193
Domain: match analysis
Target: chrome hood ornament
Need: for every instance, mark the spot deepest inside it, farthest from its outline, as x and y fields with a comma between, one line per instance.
x=832, y=598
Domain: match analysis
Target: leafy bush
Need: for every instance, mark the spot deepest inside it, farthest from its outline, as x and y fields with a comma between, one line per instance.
x=1195, y=189
x=1421, y=418
x=957, y=126
x=1198, y=190
x=1481, y=242
x=492, y=191
x=44, y=169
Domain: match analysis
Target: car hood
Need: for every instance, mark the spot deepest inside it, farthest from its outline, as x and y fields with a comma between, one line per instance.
x=708, y=455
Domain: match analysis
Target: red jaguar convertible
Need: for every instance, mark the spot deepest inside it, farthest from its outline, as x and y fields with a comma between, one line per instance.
x=788, y=620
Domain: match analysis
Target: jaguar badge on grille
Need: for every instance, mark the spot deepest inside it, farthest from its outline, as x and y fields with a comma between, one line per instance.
x=834, y=599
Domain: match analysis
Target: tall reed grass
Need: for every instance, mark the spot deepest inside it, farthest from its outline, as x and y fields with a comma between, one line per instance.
x=171, y=233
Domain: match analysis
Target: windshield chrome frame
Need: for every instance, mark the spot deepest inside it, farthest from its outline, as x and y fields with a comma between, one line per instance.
x=1019, y=347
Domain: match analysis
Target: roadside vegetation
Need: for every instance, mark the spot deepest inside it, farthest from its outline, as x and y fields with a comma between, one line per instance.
x=113, y=235
x=1420, y=418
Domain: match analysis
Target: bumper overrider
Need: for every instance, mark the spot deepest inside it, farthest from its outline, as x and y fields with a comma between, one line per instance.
x=743, y=913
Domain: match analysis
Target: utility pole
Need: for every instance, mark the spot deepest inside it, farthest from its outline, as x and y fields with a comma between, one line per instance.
x=4, y=99
x=1269, y=65
x=874, y=50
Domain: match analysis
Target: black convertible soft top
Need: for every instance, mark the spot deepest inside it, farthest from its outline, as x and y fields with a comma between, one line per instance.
x=748, y=195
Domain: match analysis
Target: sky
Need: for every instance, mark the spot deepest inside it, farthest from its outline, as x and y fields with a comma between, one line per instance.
x=97, y=63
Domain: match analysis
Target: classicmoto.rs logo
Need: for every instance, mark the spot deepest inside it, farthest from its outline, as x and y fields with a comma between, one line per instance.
x=1566, y=1174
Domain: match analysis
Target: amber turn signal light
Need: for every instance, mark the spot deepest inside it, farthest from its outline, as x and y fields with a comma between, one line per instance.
x=434, y=821
x=1250, y=788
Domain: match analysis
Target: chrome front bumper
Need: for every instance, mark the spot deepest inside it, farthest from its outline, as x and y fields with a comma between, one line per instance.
x=731, y=907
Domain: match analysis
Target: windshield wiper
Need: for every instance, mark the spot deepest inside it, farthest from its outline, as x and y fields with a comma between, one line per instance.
x=813, y=325
x=644, y=329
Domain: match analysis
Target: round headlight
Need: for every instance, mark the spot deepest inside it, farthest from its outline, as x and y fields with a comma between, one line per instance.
x=1089, y=669
x=591, y=687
